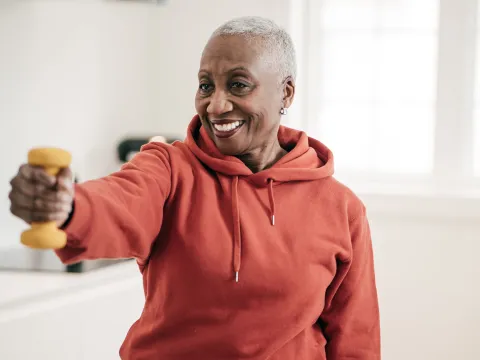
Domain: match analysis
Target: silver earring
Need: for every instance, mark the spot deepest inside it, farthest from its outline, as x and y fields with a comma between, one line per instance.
x=283, y=111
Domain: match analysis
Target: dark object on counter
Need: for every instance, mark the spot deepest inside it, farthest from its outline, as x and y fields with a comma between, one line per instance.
x=34, y=260
x=133, y=145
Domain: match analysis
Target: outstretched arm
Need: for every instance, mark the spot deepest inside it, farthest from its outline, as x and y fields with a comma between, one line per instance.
x=120, y=215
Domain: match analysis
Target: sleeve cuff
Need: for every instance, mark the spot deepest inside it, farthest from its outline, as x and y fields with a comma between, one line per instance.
x=77, y=225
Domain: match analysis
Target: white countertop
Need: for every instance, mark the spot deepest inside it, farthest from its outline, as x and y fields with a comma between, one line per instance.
x=22, y=293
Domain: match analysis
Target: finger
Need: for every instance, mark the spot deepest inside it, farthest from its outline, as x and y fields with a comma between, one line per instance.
x=40, y=176
x=36, y=174
x=65, y=180
x=62, y=196
x=21, y=199
x=46, y=200
x=41, y=204
x=37, y=216
x=65, y=173
x=22, y=213
x=27, y=187
x=26, y=171
x=22, y=185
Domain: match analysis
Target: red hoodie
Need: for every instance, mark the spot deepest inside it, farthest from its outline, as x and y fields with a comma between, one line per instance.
x=274, y=265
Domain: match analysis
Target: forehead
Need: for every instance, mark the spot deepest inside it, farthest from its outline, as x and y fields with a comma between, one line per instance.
x=225, y=52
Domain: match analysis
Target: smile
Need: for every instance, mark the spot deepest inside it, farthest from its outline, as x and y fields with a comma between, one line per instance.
x=225, y=129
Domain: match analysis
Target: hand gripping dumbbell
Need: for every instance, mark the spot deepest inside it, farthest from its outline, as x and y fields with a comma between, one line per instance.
x=46, y=235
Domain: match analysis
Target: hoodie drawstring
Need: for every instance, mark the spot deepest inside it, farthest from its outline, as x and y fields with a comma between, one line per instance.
x=237, y=237
x=237, y=240
x=272, y=200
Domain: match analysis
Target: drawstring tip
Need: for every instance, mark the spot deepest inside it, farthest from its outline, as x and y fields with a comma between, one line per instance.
x=236, y=276
x=273, y=220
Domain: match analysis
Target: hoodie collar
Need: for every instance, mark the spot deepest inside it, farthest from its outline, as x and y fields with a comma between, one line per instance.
x=307, y=158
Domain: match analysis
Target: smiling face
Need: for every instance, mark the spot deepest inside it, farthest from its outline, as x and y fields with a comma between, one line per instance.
x=239, y=95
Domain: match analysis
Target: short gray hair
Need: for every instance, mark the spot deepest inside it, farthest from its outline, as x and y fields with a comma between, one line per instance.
x=277, y=41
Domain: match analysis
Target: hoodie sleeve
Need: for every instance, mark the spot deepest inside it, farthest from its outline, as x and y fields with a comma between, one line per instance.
x=120, y=215
x=350, y=321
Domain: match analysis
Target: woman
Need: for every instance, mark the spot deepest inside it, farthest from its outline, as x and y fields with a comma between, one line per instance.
x=248, y=247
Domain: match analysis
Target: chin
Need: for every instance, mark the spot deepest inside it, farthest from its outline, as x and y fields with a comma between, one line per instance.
x=228, y=147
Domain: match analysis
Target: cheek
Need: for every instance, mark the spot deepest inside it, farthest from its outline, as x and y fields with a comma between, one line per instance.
x=255, y=106
x=265, y=115
x=267, y=102
x=201, y=104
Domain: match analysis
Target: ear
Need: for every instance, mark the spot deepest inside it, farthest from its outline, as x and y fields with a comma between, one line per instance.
x=288, y=91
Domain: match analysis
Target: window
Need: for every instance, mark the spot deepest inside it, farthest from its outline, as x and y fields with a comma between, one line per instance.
x=389, y=86
x=476, y=130
x=376, y=83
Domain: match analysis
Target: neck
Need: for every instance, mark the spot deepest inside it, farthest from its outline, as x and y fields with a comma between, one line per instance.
x=264, y=157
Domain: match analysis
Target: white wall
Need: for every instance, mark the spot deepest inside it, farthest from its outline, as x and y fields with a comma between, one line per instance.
x=427, y=276
x=82, y=74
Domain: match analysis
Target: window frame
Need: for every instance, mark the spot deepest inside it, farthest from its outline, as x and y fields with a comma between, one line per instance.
x=453, y=166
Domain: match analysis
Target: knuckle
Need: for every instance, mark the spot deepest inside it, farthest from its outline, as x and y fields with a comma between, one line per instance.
x=57, y=206
x=39, y=187
x=53, y=216
x=16, y=212
x=13, y=199
x=14, y=181
x=24, y=169
x=67, y=197
x=38, y=203
x=60, y=196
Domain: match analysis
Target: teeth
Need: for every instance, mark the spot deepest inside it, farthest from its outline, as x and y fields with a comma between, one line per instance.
x=227, y=127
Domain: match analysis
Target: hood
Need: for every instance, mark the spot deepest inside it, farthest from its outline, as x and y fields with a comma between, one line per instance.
x=307, y=159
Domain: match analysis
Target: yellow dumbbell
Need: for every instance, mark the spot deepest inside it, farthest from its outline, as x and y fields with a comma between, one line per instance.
x=47, y=235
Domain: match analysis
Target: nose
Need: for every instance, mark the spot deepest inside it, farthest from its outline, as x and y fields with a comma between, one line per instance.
x=219, y=104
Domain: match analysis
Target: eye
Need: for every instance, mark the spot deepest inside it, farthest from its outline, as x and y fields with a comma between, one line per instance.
x=204, y=87
x=238, y=85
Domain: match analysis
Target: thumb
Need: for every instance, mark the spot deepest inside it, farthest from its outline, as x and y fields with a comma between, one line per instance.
x=65, y=179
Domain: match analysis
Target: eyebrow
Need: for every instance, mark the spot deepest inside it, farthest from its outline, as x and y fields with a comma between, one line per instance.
x=238, y=68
